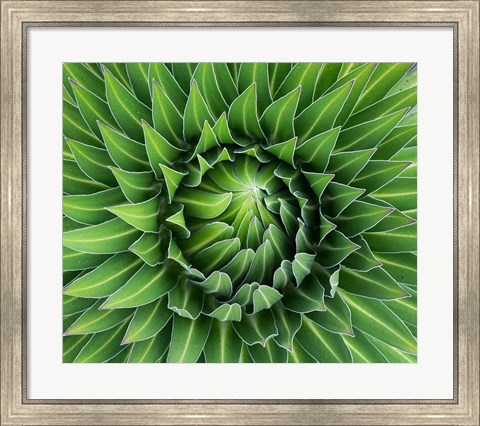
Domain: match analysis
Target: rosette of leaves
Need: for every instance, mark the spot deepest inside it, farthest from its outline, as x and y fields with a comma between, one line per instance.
x=233, y=213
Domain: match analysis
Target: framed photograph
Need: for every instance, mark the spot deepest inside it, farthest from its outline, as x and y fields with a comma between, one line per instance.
x=239, y=212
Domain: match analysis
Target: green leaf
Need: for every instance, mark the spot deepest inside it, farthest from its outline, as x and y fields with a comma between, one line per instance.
x=405, y=308
x=137, y=186
x=408, y=154
x=392, y=354
x=93, y=109
x=90, y=208
x=95, y=68
x=125, y=152
x=270, y=353
x=361, y=75
x=321, y=344
x=383, y=79
x=218, y=284
x=138, y=76
x=143, y=216
x=302, y=74
x=360, y=216
x=362, y=259
x=261, y=269
x=329, y=74
x=159, y=73
x=280, y=243
x=217, y=255
x=399, y=240
x=121, y=357
x=256, y=73
x=400, y=101
x=147, y=285
x=394, y=220
x=299, y=355
x=94, y=162
x=265, y=297
x=102, y=346
x=288, y=215
x=183, y=73
x=320, y=116
x=188, y=338
x=148, y=248
x=75, y=260
x=318, y=181
x=159, y=150
x=208, y=86
x=401, y=266
x=126, y=108
x=108, y=237
x=106, y=278
x=173, y=178
x=316, y=151
x=70, y=224
x=204, y=237
x=149, y=319
x=223, y=176
x=151, y=349
x=244, y=295
x=225, y=82
x=284, y=150
x=362, y=349
x=283, y=275
x=196, y=113
x=74, y=305
x=166, y=119
x=337, y=197
x=207, y=141
x=222, y=131
x=288, y=323
x=223, y=344
x=237, y=268
x=186, y=300
x=374, y=318
x=227, y=312
x=176, y=222
x=302, y=265
x=242, y=115
x=75, y=182
x=346, y=165
x=334, y=249
x=119, y=70
x=256, y=328
x=400, y=193
x=308, y=297
x=277, y=120
x=277, y=73
x=336, y=318
x=202, y=204
x=375, y=283
x=394, y=142
x=95, y=321
x=72, y=345
x=368, y=134
x=409, y=80
x=74, y=126
x=85, y=77
x=378, y=173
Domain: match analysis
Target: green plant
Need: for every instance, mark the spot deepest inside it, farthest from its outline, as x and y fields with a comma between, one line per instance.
x=239, y=212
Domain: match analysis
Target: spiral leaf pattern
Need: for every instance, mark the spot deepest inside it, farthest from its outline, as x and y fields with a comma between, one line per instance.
x=235, y=213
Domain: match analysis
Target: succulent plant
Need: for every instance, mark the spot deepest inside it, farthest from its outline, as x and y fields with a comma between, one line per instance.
x=238, y=213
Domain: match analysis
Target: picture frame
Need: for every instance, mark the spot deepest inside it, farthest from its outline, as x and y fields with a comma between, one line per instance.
x=18, y=16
